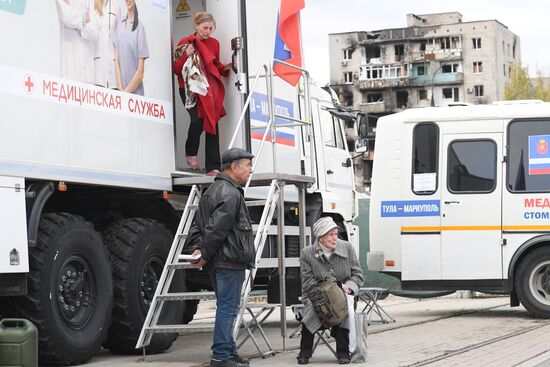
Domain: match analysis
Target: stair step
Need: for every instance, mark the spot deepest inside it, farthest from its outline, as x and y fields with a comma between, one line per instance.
x=189, y=328
x=255, y=202
x=289, y=230
x=186, y=296
x=184, y=265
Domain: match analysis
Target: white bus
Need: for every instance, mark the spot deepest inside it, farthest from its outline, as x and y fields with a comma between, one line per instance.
x=461, y=200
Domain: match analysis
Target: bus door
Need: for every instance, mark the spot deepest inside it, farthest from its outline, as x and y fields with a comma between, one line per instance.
x=471, y=212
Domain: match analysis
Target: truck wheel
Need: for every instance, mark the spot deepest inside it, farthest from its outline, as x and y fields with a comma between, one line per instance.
x=532, y=282
x=190, y=310
x=70, y=290
x=139, y=248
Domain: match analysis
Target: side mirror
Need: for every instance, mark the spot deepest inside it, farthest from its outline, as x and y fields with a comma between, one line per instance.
x=362, y=145
x=363, y=126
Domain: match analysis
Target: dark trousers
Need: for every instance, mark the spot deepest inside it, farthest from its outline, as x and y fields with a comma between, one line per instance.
x=212, y=142
x=340, y=334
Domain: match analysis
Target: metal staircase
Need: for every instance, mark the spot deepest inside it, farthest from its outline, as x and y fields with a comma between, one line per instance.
x=173, y=263
x=274, y=201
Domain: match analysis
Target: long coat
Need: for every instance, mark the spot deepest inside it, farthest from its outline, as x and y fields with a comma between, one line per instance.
x=343, y=265
x=210, y=106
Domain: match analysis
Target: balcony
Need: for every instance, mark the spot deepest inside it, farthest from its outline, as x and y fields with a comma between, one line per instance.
x=373, y=107
x=446, y=54
x=439, y=78
x=448, y=78
x=372, y=76
x=383, y=83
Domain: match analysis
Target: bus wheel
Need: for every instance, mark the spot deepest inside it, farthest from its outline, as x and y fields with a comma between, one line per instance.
x=70, y=290
x=532, y=282
x=139, y=248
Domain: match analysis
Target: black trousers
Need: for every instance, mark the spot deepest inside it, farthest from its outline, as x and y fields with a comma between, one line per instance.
x=340, y=334
x=212, y=142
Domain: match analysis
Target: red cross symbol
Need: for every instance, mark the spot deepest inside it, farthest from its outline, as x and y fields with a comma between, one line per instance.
x=29, y=85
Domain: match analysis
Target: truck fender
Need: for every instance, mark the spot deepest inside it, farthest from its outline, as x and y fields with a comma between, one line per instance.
x=523, y=250
x=37, y=194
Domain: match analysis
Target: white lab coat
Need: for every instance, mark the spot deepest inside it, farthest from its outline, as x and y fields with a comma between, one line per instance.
x=103, y=48
x=76, y=37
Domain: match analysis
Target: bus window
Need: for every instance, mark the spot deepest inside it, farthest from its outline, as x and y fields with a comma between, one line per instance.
x=425, y=157
x=529, y=156
x=471, y=166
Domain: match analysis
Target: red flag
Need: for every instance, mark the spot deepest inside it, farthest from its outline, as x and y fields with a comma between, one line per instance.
x=288, y=32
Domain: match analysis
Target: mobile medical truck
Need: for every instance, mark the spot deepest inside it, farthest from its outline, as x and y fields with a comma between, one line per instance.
x=86, y=171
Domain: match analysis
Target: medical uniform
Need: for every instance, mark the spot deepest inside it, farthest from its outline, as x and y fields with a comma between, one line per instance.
x=131, y=46
x=104, y=49
x=76, y=38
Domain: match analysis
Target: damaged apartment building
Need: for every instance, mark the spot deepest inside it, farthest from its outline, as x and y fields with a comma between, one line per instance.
x=436, y=60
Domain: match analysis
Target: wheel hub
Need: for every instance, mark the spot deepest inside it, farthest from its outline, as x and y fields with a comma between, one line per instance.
x=74, y=291
x=545, y=281
x=150, y=275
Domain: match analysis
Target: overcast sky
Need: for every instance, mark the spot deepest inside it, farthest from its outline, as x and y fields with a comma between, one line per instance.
x=529, y=19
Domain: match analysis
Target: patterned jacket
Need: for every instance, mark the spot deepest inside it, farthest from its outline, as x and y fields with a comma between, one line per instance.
x=343, y=265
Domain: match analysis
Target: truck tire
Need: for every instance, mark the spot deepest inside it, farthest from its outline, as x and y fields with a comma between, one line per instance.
x=70, y=290
x=190, y=310
x=532, y=282
x=139, y=248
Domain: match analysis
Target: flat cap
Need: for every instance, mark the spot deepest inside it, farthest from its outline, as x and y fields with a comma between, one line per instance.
x=234, y=154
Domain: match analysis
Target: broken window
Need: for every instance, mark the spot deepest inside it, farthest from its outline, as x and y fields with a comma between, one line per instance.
x=455, y=42
x=449, y=68
x=372, y=53
x=347, y=54
x=504, y=69
x=423, y=46
x=399, y=52
x=476, y=43
x=478, y=90
x=375, y=97
x=478, y=67
x=348, y=78
x=402, y=98
x=421, y=70
x=422, y=94
x=450, y=93
x=444, y=43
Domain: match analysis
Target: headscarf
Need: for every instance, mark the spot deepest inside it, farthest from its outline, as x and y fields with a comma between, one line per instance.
x=323, y=226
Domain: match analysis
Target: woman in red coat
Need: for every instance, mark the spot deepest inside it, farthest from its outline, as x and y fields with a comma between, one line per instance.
x=209, y=108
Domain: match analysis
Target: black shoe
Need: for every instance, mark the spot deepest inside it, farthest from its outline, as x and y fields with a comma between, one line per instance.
x=226, y=363
x=344, y=360
x=302, y=359
x=237, y=358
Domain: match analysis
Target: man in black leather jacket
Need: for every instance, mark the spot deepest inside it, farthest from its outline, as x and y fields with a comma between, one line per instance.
x=222, y=235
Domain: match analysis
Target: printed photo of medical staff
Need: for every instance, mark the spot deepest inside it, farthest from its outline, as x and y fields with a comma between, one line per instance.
x=103, y=42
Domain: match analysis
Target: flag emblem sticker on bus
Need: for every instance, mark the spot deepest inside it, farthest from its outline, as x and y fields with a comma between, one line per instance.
x=539, y=155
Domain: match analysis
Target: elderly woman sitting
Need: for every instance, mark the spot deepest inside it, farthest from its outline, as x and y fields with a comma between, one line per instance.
x=328, y=256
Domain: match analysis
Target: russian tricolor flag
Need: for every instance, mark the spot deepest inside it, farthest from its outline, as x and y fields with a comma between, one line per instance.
x=287, y=41
x=539, y=155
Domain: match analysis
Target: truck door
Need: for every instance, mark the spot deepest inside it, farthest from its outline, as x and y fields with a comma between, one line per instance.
x=338, y=172
x=471, y=212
